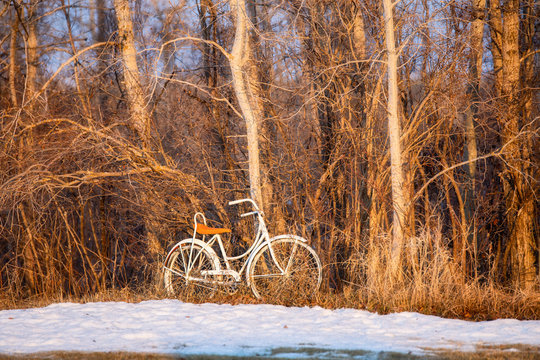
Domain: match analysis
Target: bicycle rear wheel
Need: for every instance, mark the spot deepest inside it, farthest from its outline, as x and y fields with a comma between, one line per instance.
x=293, y=272
x=185, y=271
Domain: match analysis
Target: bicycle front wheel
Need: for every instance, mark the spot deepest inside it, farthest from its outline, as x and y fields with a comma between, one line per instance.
x=286, y=268
x=186, y=271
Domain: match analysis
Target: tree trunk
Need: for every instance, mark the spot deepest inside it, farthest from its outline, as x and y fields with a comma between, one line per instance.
x=207, y=23
x=531, y=72
x=13, y=58
x=246, y=93
x=140, y=118
x=394, y=134
x=495, y=27
x=471, y=151
x=518, y=194
x=133, y=87
x=31, y=56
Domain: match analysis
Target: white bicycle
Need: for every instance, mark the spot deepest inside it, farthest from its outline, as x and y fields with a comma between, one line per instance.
x=279, y=266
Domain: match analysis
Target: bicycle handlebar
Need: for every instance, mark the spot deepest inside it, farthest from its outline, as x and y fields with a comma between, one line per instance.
x=236, y=202
x=256, y=212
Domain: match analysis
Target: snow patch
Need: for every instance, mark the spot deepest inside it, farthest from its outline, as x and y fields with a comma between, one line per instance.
x=175, y=327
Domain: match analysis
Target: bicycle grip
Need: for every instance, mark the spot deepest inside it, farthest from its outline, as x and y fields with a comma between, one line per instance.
x=249, y=213
x=236, y=202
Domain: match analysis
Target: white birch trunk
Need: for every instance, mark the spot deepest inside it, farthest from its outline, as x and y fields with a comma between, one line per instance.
x=394, y=133
x=239, y=61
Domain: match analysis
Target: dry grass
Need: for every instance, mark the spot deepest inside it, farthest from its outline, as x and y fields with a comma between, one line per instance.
x=469, y=301
x=430, y=283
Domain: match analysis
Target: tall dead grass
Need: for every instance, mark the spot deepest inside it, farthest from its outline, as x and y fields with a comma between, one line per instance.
x=431, y=282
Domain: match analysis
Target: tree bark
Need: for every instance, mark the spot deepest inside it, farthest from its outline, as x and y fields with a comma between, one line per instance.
x=394, y=134
x=133, y=87
x=140, y=118
x=31, y=56
x=246, y=94
x=207, y=23
x=531, y=75
x=518, y=194
x=262, y=75
x=471, y=151
x=495, y=28
x=13, y=58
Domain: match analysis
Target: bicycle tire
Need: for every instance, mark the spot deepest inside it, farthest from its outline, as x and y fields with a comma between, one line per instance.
x=302, y=271
x=177, y=284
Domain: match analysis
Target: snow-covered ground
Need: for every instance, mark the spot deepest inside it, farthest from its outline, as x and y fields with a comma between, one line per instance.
x=174, y=327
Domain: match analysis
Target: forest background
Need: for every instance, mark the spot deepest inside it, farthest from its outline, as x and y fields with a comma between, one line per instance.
x=400, y=138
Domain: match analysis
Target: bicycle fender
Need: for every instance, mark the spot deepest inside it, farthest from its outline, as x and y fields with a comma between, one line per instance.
x=198, y=242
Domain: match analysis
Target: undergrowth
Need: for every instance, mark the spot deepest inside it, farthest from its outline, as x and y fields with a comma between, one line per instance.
x=430, y=283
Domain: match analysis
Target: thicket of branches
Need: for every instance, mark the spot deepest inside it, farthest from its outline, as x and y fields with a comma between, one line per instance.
x=103, y=166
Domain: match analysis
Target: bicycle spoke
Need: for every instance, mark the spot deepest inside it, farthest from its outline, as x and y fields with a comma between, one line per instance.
x=185, y=272
x=175, y=272
x=286, y=268
x=293, y=252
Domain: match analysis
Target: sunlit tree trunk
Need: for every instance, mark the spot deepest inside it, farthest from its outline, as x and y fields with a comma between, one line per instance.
x=519, y=197
x=133, y=87
x=31, y=55
x=394, y=134
x=29, y=14
x=247, y=95
x=13, y=58
x=262, y=77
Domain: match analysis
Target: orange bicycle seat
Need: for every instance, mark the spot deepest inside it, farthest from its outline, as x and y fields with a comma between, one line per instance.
x=207, y=230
